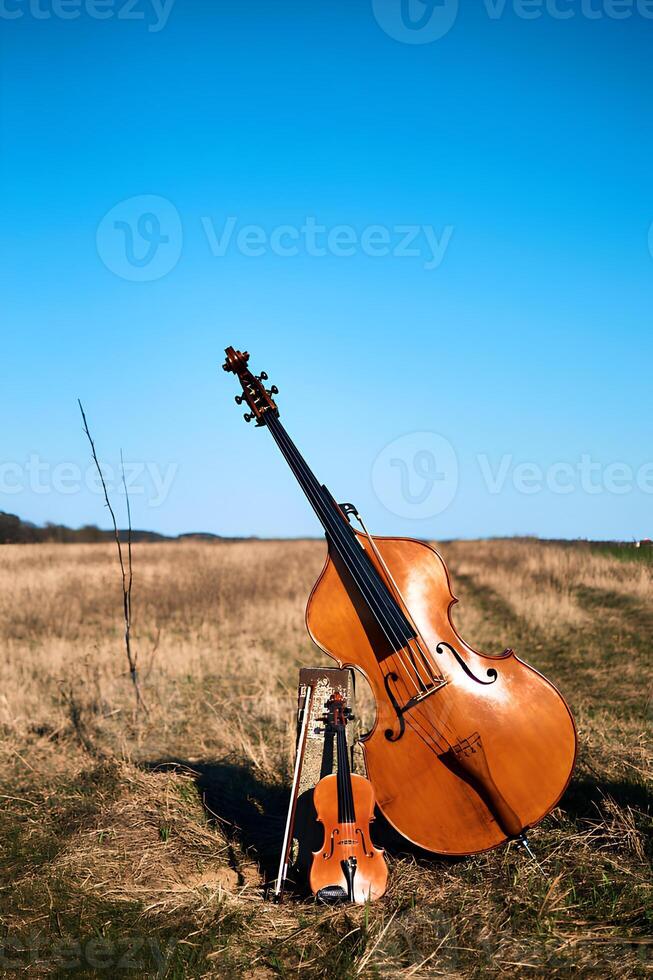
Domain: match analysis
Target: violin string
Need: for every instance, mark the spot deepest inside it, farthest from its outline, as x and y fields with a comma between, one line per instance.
x=292, y=456
x=342, y=789
x=348, y=808
x=344, y=768
x=287, y=447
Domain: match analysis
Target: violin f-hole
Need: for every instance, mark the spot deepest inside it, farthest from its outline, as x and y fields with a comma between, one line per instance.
x=329, y=854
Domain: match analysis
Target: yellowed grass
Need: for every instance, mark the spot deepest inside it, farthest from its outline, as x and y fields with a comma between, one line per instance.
x=104, y=805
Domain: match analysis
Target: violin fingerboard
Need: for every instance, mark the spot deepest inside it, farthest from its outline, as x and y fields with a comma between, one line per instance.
x=320, y=757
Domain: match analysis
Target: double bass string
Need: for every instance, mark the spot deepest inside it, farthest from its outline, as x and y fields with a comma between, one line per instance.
x=364, y=566
x=292, y=455
x=375, y=602
x=434, y=737
x=359, y=555
x=377, y=591
x=287, y=448
x=290, y=451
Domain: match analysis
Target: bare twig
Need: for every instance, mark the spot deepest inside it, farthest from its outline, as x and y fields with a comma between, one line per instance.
x=126, y=572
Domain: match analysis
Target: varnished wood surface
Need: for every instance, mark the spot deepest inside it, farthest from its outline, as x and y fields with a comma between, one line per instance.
x=521, y=726
x=344, y=840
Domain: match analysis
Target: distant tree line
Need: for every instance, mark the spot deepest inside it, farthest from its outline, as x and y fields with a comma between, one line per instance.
x=13, y=530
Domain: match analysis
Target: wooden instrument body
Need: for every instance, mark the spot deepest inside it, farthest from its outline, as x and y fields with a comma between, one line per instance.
x=342, y=840
x=517, y=726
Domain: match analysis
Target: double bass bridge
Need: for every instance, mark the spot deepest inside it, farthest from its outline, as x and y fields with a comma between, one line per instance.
x=401, y=710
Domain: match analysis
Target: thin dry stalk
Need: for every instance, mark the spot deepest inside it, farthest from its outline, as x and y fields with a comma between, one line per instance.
x=126, y=572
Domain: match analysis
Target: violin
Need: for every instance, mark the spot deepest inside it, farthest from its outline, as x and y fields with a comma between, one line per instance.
x=347, y=866
x=467, y=750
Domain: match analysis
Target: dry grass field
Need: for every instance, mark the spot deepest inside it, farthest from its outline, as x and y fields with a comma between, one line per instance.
x=140, y=845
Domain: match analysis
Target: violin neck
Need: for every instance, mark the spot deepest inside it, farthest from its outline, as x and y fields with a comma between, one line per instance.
x=346, y=813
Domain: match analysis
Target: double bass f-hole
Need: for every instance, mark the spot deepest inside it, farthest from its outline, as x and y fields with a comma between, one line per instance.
x=400, y=710
x=491, y=672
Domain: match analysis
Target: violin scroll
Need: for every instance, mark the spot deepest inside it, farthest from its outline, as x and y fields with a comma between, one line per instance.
x=255, y=394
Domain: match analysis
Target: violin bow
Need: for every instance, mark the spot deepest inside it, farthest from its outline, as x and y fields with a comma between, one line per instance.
x=292, y=807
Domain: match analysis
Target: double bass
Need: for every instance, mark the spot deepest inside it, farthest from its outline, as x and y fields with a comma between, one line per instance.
x=467, y=750
x=348, y=866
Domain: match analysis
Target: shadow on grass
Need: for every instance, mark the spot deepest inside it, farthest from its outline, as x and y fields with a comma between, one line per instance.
x=252, y=813
x=247, y=809
x=584, y=795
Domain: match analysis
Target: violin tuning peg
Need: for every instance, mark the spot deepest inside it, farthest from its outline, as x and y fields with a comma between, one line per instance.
x=238, y=399
x=274, y=390
x=262, y=376
x=248, y=416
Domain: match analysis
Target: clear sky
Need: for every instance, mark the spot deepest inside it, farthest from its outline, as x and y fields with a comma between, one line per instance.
x=447, y=270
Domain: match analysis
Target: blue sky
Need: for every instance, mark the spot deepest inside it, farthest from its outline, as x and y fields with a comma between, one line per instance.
x=161, y=167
